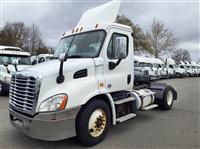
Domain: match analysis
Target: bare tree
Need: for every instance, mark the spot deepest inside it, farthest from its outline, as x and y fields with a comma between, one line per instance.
x=181, y=55
x=161, y=38
x=28, y=38
x=14, y=34
x=139, y=38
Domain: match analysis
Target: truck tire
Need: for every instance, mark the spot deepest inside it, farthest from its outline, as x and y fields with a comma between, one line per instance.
x=93, y=122
x=168, y=99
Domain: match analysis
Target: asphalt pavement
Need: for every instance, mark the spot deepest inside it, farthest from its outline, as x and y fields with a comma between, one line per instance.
x=177, y=128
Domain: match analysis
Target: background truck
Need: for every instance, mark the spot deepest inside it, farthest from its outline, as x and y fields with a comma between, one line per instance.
x=146, y=64
x=89, y=88
x=8, y=55
x=190, y=71
x=40, y=58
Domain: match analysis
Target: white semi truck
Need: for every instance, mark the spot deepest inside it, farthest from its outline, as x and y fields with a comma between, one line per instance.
x=88, y=88
x=7, y=56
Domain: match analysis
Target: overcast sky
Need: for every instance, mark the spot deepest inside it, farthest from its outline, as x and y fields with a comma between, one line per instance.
x=56, y=17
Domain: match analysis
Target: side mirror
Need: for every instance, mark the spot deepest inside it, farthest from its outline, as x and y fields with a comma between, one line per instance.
x=120, y=47
x=61, y=77
x=63, y=57
x=15, y=61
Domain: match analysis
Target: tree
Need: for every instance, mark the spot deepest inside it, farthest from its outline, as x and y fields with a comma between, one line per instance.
x=139, y=38
x=14, y=34
x=181, y=55
x=27, y=38
x=162, y=40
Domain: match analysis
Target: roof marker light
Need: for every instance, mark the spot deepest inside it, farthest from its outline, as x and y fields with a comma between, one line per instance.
x=81, y=29
x=96, y=25
x=63, y=34
x=73, y=30
x=77, y=30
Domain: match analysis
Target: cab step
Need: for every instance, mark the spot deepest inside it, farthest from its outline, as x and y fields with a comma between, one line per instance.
x=149, y=107
x=126, y=117
x=118, y=102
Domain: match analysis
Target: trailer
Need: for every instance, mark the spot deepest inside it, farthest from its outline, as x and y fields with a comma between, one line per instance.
x=88, y=88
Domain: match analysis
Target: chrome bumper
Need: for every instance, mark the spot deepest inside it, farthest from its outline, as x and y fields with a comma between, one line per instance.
x=46, y=126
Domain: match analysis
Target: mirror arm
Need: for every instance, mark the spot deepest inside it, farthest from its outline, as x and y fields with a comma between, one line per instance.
x=5, y=65
x=112, y=65
x=60, y=78
x=16, y=68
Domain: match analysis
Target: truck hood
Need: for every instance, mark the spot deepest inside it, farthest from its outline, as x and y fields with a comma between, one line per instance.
x=11, y=68
x=51, y=68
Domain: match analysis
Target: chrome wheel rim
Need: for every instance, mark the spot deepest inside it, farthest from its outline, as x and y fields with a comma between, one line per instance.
x=97, y=123
x=169, y=98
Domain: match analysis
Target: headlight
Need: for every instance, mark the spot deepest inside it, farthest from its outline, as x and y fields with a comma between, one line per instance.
x=55, y=103
x=7, y=80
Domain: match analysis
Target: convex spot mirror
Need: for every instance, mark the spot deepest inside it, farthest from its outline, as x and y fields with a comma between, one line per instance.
x=120, y=47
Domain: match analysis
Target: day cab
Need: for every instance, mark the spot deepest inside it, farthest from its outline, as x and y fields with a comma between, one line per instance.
x=87, y=87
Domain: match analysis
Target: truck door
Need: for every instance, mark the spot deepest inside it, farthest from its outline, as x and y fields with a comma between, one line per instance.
x=118, y=68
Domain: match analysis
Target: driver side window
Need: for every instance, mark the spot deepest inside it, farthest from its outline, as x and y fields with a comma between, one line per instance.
x=113, y=45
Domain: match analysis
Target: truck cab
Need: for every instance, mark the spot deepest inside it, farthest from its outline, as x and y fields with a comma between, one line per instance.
x=7, y=55
x=146, y=64
x=87, y=87
x=170, y=64
x=40, y=58
x=190, y=71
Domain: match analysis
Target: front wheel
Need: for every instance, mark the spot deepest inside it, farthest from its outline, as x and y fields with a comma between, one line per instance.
x=93, y=122
x=168, y=99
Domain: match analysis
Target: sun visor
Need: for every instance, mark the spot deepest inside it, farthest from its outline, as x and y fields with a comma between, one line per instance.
x=106, y=13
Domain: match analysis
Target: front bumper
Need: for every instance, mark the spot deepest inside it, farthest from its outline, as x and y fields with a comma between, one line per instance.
x=46, y=126
x=4, y=87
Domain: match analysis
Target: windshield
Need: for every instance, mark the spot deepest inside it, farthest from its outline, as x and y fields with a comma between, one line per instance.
x=142, y=64
x=85, y=45
x=8, y=59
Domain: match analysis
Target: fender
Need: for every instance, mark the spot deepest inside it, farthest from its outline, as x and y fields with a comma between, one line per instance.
x=159, y=89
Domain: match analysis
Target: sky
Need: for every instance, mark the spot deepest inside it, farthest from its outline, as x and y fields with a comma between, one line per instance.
x=54, y=17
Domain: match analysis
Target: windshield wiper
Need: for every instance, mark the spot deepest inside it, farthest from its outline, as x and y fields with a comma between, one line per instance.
x=54, y=58
x=75, y=56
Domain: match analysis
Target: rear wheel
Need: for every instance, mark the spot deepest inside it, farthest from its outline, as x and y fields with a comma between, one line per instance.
x=168, y=99
x=93, y=122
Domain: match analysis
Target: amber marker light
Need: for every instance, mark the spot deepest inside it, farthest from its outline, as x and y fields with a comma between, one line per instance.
x=63, y=104
x=96, y=25
x=81, y=29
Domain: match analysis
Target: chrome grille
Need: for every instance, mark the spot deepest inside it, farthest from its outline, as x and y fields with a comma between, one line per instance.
x=24, y=90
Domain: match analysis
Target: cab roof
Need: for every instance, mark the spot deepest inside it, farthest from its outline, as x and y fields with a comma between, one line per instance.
x=18, y=53
x=10, y=48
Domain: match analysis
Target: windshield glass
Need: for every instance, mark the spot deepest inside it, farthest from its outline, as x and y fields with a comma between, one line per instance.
x=142, y=64
x=85, y=45
x=8, y=59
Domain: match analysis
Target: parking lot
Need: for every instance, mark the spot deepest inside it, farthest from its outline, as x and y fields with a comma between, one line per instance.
x=177, y=128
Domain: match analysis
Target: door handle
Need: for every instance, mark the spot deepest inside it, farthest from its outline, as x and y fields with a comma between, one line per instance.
x=129, y=79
